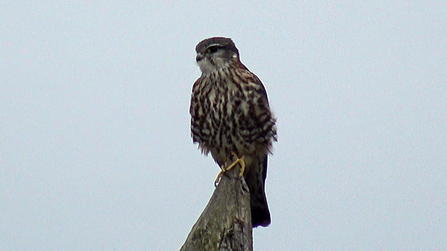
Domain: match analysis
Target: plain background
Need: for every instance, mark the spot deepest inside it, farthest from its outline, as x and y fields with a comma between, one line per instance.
x=95, y=147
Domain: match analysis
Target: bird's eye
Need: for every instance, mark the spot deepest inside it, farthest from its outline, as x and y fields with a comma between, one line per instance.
x=213, y=49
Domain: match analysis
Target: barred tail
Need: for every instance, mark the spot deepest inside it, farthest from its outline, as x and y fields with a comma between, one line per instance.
x=255, y=179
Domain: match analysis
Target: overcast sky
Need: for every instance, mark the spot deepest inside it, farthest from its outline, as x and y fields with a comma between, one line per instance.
x=95, y=147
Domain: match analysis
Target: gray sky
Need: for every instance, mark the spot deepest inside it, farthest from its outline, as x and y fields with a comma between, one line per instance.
x=95, y=148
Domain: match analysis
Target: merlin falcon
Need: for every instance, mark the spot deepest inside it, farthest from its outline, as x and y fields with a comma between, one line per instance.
x=231, y=118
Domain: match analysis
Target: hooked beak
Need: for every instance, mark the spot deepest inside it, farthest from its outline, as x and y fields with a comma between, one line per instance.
x=199, y=57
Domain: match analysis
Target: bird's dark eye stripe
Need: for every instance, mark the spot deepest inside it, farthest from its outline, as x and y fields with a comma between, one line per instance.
x=213, y=49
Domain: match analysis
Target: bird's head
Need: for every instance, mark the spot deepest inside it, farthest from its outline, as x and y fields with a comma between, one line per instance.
x=216, y=53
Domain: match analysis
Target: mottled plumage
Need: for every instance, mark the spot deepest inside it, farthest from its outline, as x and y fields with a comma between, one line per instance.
x=230, y=114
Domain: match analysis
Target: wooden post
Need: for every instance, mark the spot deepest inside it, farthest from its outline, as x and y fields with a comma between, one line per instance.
x=225, y=224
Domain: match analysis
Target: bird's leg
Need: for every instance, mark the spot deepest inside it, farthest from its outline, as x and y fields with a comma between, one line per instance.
x=240, y=161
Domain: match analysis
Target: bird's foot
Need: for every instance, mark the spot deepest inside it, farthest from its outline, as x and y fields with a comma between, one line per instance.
x=222, y=171
x=240, y=161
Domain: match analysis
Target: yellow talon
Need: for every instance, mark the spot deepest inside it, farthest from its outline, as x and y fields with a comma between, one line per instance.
x=222, y=171
x=240, y=161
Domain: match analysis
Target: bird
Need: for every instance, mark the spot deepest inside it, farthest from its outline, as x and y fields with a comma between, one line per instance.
x=232, y=120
